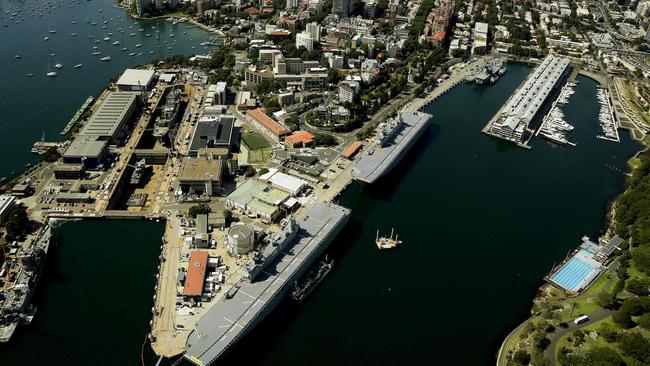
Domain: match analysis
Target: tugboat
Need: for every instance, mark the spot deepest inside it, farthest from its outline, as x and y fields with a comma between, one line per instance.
x=387, y=243
x=311, y=280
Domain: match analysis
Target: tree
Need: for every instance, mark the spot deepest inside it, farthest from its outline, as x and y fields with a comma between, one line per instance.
x=324, y=139
x=521, y=358
x=199, y=209
x=638, y=286
x=641, y=257
x=634, y=345
x=17, y=223
x=644, y=321
x=607, y=300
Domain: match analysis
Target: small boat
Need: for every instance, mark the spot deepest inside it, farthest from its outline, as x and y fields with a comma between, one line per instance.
x=52, y=74
x=31, y=74
x=132, y=54
x=124, y=49
x=78, y=66
x=116, y=43
x=90, y=36
x=46, y=38
x=138, y=45
x=73, y=34
x=95, y=47
x=107, y=39
x=107, y=58
x=151, y=52
x=96, y=53
x=18, y=56
x=58, y=65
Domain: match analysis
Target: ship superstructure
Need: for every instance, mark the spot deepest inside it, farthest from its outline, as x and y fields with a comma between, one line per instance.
x=19, y=276
x=168, y=114
x=392, y=141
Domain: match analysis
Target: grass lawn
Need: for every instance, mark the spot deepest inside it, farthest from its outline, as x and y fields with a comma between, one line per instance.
x=255, y=141
x=586, y=302
x=259, y=155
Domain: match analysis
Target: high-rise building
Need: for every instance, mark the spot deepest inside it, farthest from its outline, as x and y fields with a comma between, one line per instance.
x=313, y=29
x=341, y=8
x=304, y=39
x=292, y=4
x=158, y=4
x=142, y=5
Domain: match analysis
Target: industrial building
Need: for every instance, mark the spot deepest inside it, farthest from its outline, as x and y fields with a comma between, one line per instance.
x=213, y=132
x=69, y=171
x=240, y=239
x=86, y=151
x=524, y=105
x=201, y=176
x=136, y=80
x=196, y=271
x=110, y=116
x=285, y=182
x=256, y=198
x=480, y=38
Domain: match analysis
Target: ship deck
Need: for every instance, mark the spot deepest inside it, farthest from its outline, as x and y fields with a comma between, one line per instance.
x=371, y=167
x=231, y=318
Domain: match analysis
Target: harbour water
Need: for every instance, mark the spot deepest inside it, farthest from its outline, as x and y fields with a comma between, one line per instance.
x=30, y=106
x=482, y=221
x=95, y=296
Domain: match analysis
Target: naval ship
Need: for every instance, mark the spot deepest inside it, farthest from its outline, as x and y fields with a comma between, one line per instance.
x=269, y=275
x=19, y=276
x=392, y=140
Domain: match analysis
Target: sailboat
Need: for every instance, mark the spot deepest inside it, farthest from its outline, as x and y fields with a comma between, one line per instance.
x=51, y=74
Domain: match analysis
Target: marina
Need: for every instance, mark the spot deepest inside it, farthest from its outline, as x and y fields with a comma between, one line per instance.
x=606, y=118
x=554, y=126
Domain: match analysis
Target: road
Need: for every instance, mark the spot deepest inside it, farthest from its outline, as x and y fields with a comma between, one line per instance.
x=550, y=351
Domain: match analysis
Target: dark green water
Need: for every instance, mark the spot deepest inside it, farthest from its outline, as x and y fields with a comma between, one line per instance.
x=95, y=297
x=482, y=222
x=30, y=106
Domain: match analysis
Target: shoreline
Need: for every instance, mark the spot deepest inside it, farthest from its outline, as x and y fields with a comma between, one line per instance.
x=607, y=226
x=175, y=16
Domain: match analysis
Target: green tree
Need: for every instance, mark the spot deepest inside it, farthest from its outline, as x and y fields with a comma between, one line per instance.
x=638, y=286
x=324, y=139
x=198, y=210
x=634, y=345
x=17, y=223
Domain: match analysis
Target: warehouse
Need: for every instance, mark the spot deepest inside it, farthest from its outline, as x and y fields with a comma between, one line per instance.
x=111, y=116
x=196, y=271
x=86, y=151
x=256, y=198
x=136, y=80
x=201, y=176
x=213, y=132
x=285, y=182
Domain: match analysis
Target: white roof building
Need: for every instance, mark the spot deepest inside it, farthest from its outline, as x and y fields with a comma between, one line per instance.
x=285, y=182
x=135, y=80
